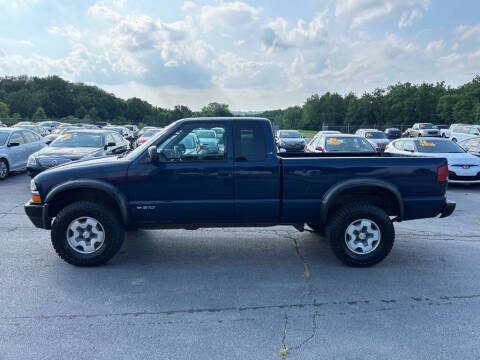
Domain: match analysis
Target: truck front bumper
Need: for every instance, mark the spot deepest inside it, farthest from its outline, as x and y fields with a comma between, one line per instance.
x=448, y=208
x=38, y=215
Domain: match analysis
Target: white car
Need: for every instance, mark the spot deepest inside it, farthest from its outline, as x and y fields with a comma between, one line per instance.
x=463, y=168
x=464, y=132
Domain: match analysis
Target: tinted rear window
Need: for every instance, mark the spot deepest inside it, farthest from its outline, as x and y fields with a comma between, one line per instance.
x=250, y=142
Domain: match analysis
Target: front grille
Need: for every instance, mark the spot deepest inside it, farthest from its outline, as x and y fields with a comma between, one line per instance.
x=453, y=176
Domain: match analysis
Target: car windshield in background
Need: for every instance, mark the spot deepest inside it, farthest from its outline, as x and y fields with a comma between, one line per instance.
x=375, y=135
x=78, y=140
x=117, y=130
x=151, y=132
x=206, y=134
x=3, y=137
x=347, y=144
x=427, y=126
x=437, y=146
x=289, y=134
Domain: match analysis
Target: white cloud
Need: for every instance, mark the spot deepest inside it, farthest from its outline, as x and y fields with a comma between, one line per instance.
x=232, y=15
x=26, y=43
x=104, y=12
x=276, y=35
x=68, y=31
x=435, y=46
x=364, y=11
x=467, y=32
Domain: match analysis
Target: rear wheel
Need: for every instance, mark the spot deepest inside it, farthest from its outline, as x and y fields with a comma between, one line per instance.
x=3, y=169
x=87, y=234
x=361, y=234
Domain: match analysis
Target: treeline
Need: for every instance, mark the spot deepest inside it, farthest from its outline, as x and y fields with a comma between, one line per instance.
x=52, y=97
x=398, y=105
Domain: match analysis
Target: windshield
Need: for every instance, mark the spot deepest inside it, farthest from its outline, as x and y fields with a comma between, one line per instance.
x=206, y=134
x=3, y=137
x=150, y=132
x=375, y=135
x=437, y=146
x=427, y=126
x=118, y=130
x=76, y=139
x=139, y=150
x=348, y=144
x=289, y=134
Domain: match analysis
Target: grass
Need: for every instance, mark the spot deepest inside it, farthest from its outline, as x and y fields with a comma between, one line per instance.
x=308, y=133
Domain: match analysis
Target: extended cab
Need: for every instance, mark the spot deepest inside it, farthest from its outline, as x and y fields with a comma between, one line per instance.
x=174, y=182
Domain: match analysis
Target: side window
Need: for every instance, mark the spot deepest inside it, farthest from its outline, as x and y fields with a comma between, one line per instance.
x=195, y=142
x=249, y=141
x=473, y=131
x=29, y=136
x=109, y=139
x=118, y=139
x=17, y=138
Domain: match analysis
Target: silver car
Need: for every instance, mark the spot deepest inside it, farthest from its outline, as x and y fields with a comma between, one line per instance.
x=376, y=137
x=464, y=132
x=16, y=145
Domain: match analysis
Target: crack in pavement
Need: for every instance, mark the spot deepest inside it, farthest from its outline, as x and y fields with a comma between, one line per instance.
x=311, y=293
x=378, y=304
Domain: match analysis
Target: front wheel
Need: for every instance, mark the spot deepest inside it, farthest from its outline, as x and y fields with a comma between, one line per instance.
x=87, y=234
x=361, y=234
x=3, y=169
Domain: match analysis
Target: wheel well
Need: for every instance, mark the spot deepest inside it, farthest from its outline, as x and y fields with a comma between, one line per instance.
x=375, y=195
x=6, y=160
x=66, y=197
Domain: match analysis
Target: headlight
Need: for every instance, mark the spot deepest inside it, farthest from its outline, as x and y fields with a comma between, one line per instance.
x=33, y=186
x=32, y=160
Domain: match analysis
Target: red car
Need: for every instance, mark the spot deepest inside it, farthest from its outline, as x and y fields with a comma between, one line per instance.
x=339, y=143
x=145, y=136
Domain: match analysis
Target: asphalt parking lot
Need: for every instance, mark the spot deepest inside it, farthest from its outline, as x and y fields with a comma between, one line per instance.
x=242, y=293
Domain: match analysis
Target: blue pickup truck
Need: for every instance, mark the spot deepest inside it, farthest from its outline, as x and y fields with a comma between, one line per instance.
x=176, y=181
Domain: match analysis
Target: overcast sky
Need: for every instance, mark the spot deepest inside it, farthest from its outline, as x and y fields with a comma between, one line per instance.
x=253, y=55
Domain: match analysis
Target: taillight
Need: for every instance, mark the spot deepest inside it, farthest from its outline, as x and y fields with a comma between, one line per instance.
x=386, y=147
x=442, y=173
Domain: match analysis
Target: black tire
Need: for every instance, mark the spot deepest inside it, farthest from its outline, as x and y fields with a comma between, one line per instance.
x=339, y=223
x=109, y=220
x=4, y=169
x=317, y=228
x=419, y=135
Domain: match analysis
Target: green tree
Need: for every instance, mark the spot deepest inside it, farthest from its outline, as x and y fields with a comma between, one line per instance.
x=4, y=110
x=216, y=109
x=39, y=114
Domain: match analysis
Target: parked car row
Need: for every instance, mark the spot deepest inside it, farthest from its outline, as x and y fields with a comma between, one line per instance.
x=463, y=167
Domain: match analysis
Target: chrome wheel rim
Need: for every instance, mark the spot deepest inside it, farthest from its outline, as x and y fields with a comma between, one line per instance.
x=3, y=169
x=85, y=235
x=362, y=236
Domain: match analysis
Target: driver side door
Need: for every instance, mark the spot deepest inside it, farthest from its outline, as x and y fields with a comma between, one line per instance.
x=188, y=184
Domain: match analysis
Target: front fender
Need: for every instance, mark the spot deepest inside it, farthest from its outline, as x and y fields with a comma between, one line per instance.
x=109, y=189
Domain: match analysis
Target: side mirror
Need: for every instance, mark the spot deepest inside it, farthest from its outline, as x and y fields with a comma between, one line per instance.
x=153, y=154
x=409, y=147
x=12, y=144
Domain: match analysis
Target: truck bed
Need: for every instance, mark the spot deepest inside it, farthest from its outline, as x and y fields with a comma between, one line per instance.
x=307, y=178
